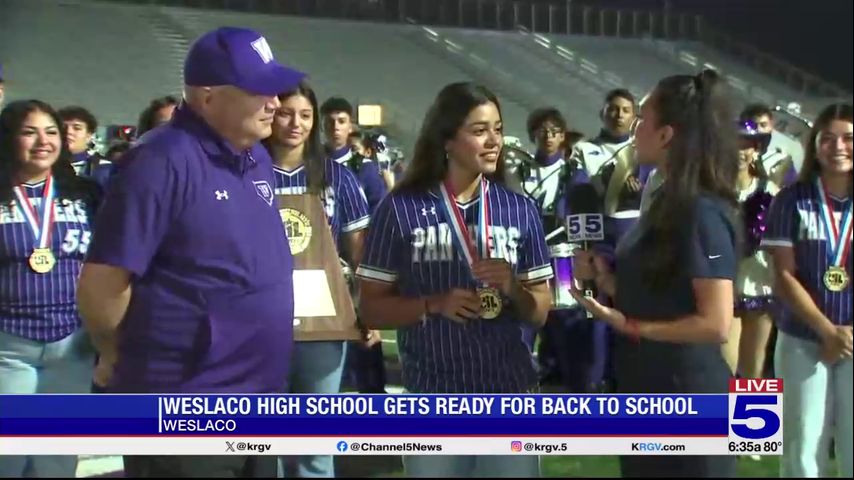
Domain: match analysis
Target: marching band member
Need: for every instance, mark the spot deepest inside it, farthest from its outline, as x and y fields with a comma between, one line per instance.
x=80, y=126
x=809, y=236
x=458, y=263
x=673, y=284
x=158, y=112
x=370, y=147
x=547, y=180
x=751, y=328
x=301, y=167
x=784, y=156
x=365, y=364
x=617, y=115
x=46, y=216
x=338, y=124
x=571, y=349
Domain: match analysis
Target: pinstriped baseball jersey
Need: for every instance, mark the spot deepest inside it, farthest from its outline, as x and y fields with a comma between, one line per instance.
x=409, y=244
x=42, y=307
x=795, y=221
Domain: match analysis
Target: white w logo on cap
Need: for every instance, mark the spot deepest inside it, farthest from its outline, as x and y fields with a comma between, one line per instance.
x=263, y=49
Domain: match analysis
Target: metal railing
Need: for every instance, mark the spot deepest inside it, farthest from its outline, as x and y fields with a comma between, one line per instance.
x=547, y=17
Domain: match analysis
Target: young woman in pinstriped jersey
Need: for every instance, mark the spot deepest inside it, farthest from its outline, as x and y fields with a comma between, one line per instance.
x=45, y=225
x=809, y=236
x=458, y=264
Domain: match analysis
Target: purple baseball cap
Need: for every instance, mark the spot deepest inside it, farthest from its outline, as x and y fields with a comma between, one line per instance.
x=239, y=57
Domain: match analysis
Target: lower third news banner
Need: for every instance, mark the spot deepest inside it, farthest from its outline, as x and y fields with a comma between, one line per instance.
x=748, y=420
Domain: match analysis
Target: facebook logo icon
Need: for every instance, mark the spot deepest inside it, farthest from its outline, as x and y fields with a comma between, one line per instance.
x=342, y=446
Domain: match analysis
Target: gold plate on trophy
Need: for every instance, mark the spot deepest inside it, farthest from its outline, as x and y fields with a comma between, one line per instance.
x=298, y=228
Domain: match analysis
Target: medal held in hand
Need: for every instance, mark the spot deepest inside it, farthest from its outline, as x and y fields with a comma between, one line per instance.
x=491, y=302
x=836, y=278
x=41, y=221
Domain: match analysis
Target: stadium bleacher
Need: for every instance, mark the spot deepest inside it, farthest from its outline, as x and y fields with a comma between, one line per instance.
x=113, y=58
x=138, y=52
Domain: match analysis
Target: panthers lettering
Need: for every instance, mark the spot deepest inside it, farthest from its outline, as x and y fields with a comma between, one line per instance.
x=42, y=307
x=409, y=244
x=434, y=243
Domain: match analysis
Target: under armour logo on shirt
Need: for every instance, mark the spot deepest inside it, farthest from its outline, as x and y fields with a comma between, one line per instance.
x=263, y=49
x=432, y=211
x=221, y=194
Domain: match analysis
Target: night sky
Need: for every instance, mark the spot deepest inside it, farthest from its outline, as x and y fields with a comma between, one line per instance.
x=813, y=34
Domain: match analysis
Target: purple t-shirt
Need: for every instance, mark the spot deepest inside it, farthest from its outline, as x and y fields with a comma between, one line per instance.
x=212, y=301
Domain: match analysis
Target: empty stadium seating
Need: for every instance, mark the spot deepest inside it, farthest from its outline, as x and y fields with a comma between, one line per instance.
x=113, y=58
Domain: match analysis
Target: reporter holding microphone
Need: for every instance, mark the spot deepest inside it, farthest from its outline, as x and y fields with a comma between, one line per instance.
x=672, y=286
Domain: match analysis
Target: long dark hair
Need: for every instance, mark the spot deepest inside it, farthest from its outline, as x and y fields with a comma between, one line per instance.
x=445, y=117
x=835, y=111
x=702, y=159
x=313, y=155
x=146, y=118
x=68, y=184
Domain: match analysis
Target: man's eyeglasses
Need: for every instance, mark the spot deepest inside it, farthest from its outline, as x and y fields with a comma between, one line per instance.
x=549, y=132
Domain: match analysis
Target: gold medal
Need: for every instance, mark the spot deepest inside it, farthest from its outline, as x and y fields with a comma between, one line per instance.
x=490, y=303
x=836, y=279
x=42, y=260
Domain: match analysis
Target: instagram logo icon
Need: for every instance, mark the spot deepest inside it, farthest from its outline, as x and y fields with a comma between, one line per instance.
x=516, y=446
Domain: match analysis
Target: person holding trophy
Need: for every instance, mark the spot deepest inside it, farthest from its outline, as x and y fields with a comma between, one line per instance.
x=458, y=264
x=313, y=191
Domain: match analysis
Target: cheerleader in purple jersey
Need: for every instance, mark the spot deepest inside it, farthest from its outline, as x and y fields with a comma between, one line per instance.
x=44, y=234
x=458, y=264
x=751, y=328
x=809, y=236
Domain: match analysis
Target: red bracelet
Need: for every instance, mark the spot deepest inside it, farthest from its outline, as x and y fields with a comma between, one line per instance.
x=633, y=329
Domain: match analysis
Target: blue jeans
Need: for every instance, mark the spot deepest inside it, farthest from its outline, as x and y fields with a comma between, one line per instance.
x=27, y=367
x=472, y=466
x=817, y=404
x=316, y=368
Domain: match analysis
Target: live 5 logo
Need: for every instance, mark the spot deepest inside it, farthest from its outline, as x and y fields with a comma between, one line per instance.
x=585, y=227
x=756, y=409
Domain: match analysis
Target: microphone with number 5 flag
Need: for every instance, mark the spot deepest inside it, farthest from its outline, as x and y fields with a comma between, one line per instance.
x=585, y=224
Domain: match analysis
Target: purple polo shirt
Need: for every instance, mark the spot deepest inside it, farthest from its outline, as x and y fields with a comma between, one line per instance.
x=212, y=301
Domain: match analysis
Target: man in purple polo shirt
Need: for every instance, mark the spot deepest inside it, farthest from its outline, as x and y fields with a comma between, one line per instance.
x=188, y=282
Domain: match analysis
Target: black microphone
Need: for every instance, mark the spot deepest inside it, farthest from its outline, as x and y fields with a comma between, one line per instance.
x=585, y=223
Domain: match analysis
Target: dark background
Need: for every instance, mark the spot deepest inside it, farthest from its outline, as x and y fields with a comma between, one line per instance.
x=813, y=34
